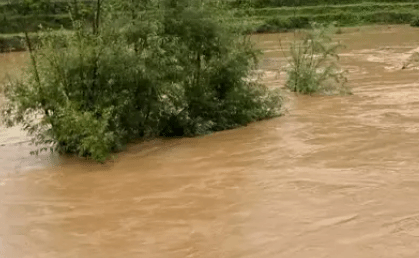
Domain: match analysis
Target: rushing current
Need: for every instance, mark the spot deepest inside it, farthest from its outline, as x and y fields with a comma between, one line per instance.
x=335, y=176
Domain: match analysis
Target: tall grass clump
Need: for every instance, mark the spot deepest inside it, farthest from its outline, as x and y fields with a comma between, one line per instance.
x=313, y=64
x=144, y=69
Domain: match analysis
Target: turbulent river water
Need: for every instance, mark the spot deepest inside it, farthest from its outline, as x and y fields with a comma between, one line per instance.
x=336, y=176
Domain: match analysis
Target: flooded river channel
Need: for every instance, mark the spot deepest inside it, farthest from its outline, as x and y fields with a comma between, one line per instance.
x=336, y=176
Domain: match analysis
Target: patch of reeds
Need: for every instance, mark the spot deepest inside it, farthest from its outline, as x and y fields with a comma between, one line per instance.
x=313, y=64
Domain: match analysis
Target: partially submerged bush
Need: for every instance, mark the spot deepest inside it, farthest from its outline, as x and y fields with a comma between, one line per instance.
x=158, y=71
x=314, y=64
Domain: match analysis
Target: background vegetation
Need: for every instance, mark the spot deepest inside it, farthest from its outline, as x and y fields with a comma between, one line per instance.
x=280, y=3
x=17, y=16
x=274, y=19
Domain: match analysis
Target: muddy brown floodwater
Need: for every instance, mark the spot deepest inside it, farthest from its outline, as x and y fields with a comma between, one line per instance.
x=334, y=177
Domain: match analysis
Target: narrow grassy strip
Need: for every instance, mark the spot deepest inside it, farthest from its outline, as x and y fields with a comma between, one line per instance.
x=281, y=23
x=276, y=19
x=316, y=10
x=292, y=3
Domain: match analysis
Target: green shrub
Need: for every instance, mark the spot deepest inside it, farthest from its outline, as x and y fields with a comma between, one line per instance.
x=166, y=70
x=313, y=64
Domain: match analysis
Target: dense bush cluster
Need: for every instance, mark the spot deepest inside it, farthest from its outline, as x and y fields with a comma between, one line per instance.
x=149, y=68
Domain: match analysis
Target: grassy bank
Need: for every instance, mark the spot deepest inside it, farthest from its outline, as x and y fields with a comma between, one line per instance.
x=286, y=18
x=289, y=3
x=245, y=14
x=281, y=24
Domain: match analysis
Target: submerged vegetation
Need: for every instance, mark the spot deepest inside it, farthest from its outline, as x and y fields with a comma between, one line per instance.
x=313, y=66
x=165, y=69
